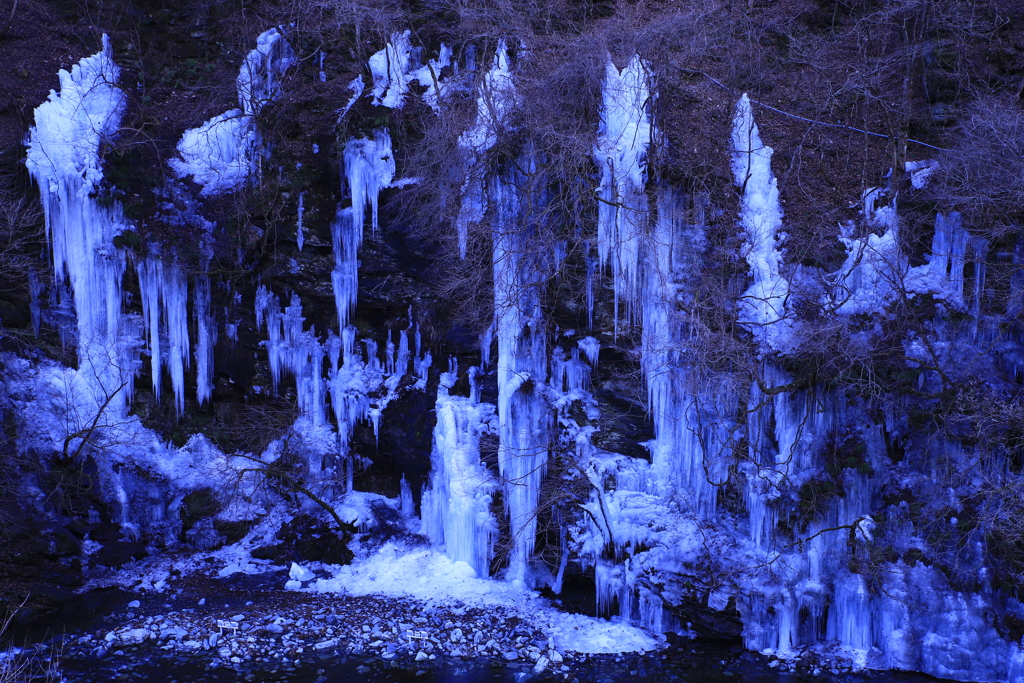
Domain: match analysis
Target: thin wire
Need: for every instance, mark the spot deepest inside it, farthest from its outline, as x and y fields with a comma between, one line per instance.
x=819, y=123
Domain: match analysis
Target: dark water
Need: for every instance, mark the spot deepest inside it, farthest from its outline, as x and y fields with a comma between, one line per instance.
x=711, y=664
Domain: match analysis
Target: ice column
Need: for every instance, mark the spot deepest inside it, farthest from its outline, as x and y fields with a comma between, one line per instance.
x=523, y=414
x=63, y=159
x=763, y=305
x=495, y=101
x=457, y=505
x=623, y=140
x=671, y=261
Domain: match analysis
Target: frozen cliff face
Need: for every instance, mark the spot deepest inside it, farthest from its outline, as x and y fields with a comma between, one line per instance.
x=809, y=505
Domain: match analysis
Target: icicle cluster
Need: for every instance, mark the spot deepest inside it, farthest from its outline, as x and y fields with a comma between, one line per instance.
x=623, y=142
x=358, y=385
x=164, y=292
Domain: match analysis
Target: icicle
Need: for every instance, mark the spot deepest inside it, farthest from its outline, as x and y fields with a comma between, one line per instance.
x=389, y=354
x=369, y=168
x=623, y=139
x=405, y=495
x=486, y=342
x=763, y=305
x=206, y=338
x=35, y=288
x=174, y=292
x=402, y=363
x=592, y=265
x=299, y=237
x=356, y=87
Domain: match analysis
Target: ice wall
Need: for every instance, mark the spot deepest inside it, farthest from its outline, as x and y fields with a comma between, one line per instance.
x=623, y=142
x=63, y=159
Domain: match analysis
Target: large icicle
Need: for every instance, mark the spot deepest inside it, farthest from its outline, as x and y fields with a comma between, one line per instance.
x=63, y=159
x=369, y=168
x=684, y=451
x=763, y=305
x=495, y=101
x=225, y=152
x=523, y=414
x=206, y=338
x=457, y=505
x=623, y=140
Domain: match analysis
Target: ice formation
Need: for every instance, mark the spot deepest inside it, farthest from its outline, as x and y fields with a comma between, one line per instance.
x=394, y=70
x=206, y=338
x=495, y=100
x=457, y=505
x=798, y=579
x=225, y=152
x=876, y=272
x=369, y=168
x=164, y=293
x=623, y=142
x=523, y=414
x=63, y=159
x=300, y=237
x=763, y=306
